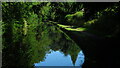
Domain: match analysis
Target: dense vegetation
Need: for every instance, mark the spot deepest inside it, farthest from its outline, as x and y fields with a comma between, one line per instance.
x=27, y=27
x=24, y=15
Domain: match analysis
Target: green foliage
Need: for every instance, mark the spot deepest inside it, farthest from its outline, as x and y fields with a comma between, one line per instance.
x=78, y=14
x=32, y=20
x=75, y=19
x=28, y=35
x=1, y=36
x=45, y=12
x=89, y=23
x=107, y=23
x=110, y=11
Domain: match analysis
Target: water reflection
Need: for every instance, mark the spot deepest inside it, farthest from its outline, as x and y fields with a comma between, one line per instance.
x=80, y=59
x=57, y=58
x=43, y=45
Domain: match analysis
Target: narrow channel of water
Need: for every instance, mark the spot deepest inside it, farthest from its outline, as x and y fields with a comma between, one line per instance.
x=45, y=45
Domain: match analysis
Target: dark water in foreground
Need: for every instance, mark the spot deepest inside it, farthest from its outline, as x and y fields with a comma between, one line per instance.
x=45, y=45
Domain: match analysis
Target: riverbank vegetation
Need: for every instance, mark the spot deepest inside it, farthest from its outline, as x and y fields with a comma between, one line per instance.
x=101, y=20
x=27, y=25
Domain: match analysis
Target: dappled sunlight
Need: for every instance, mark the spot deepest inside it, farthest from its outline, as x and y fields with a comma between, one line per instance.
x=71, y=28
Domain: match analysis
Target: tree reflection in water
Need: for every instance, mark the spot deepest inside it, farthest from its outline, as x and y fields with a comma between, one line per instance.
x=37, y=44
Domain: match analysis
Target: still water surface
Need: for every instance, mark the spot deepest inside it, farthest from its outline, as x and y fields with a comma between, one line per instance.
x=45, y=45
x=56, y=58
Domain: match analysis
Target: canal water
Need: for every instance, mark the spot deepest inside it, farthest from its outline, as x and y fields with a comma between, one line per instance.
x=45, y=45
x=57, y=58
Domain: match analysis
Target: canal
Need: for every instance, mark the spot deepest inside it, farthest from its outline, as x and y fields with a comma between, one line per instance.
x=45, y=45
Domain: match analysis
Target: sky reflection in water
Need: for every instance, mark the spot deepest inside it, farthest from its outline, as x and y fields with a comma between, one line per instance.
x=57, y=58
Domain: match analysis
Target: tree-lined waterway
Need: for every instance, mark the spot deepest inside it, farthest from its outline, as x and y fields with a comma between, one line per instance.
x=60, y=34
x=49, y=47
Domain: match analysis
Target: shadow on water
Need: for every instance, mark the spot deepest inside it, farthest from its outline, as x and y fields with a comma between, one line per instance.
x=44, y=45
x=99, y=53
